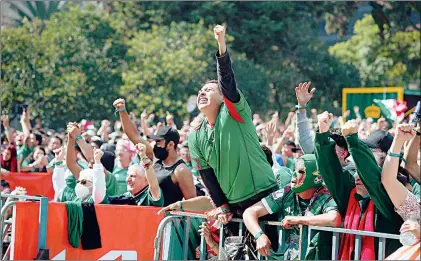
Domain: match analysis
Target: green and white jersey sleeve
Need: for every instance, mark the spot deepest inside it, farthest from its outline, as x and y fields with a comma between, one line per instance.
x=273, y=202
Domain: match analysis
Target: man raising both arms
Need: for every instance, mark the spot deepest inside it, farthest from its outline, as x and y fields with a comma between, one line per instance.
x=225, y=147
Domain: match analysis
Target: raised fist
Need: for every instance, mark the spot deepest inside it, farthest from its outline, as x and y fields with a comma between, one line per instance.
x=98, y=154
x=404, y=132
x=59, y=153
x=73, y=130
x=219, y=32
x=350, y=127
x=120, y=104
x=302, y=93
x=324, y=120
x=5, y=120
x=141, y=151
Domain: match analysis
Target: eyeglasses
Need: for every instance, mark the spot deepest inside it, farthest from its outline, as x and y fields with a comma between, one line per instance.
x=83, y=181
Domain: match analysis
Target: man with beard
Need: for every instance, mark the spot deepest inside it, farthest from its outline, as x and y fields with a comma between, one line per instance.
x=174, y=177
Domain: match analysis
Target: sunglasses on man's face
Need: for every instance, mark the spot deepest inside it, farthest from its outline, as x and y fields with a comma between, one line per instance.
x=83, y=181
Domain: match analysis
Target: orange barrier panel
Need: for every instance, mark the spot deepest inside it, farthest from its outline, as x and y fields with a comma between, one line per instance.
x=35, y=183
x=127, y=233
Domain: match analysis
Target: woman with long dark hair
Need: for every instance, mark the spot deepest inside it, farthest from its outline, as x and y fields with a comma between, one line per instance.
x=9, y=160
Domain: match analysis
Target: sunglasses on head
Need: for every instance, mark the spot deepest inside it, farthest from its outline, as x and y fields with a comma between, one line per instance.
x=83, y=181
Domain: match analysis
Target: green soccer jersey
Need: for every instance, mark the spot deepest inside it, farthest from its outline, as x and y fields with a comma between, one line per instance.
x=231, y=148
x=120, y=174
x=24, y=152
x=284, y=203
x=144, y=198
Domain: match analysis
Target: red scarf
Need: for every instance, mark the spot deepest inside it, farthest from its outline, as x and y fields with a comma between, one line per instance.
x=352, y=221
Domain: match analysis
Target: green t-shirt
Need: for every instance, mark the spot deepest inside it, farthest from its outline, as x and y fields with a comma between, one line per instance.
x=69, y=193
x=144, y=198
x=233, y=151
x=24, y=152
x=284, y=203
x=120, y=174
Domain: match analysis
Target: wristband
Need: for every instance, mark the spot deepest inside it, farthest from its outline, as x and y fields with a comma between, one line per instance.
x=397, y=155
x=258, y=235
x=181, y=206
x=118, y=111
x=300, y=107
x=58, y=163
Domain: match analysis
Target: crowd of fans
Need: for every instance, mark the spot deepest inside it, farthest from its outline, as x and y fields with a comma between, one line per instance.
x=315, y=169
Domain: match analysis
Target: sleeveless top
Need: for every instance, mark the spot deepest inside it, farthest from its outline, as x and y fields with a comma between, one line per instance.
x=171, y=191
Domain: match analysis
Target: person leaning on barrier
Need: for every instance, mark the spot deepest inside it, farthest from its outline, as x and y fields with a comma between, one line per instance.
x=407, y=205
x=89, y=187
x=305, y=202
x=142, y=185
x=363, y=200
x=224, y=147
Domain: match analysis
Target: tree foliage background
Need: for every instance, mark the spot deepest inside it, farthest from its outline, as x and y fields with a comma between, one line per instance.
x=72, y=63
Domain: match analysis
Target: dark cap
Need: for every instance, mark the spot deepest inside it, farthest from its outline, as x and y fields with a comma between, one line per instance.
x=379, y=139
x=166, y=133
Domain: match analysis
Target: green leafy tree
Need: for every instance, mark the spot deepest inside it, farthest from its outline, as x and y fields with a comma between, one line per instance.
x=67, y=71
x=277, y=36
x=389, y=60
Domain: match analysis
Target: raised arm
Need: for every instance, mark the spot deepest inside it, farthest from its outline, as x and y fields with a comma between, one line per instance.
x=304, y=135
x=104, y=131
x=59, y=181
x=144, y=123
x=410, y=155
x=396, y=191
x=25, y=122
x=154, y=188
x=70, y=155
x=130, y=128
x=5, y=120
x=226, y=76
x=338, y=182
x=368, y=171
x=99, y=187
x=86, y=149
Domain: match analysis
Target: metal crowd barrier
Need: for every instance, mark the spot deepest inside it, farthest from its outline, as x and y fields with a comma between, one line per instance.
x=43, y=217
x=185, y=217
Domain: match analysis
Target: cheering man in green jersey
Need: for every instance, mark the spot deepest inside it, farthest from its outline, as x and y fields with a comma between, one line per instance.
x=224, y=147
